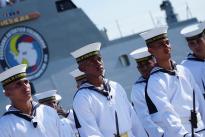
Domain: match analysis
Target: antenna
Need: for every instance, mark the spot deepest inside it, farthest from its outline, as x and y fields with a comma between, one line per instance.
x=150, y=14
x=188, y=11
x=118, y=26
x=104, y=33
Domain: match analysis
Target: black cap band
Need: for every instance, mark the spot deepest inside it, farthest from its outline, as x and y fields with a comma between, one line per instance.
x=196, y=36
x=80, y=77
x=47, y=99
x=143, y=59
x=161, y=36
x=13, y=78
x=87, y=56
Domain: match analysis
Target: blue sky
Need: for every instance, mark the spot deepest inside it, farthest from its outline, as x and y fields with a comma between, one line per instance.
x=134, y=16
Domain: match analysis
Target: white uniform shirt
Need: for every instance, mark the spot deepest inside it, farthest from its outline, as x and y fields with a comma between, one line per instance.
x=197, y=68
x=66, y=128
x=96, y=113
x=172, y=94
x=48, y=124
x=140, y=106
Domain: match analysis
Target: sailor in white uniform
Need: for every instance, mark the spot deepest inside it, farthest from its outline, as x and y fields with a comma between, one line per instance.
x=25, y=118
x=195, y=61
x=79, y=79
x=101, y=106
x=51, y=98
x=171, y=92
x=145, y=63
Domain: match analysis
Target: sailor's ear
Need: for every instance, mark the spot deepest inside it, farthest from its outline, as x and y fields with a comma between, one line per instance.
x=81, y=67
x=150, y=50
x=6, y=93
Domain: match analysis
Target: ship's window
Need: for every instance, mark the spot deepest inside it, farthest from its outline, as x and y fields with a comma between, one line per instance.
x=124, y=60
x=62, y=5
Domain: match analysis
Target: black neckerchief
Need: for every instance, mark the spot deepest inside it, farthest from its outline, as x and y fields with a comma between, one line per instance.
x=192, y=57
x=104, y=92
x=170, y=72
x=203, y=88
x=20, y=114
x=140, y=80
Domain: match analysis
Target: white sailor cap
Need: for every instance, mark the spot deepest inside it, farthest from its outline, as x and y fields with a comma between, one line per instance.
x=141, y=54
x=86, y=51
x=193, y=31
x=78, y=75
x=12, y=74
x=154, y=34
x=47, y=95
x=202, y=24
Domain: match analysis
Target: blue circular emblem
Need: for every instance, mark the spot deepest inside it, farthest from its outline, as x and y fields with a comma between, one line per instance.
x=24, y=45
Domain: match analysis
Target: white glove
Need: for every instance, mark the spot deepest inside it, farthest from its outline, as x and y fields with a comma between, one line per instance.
x=195, y=135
